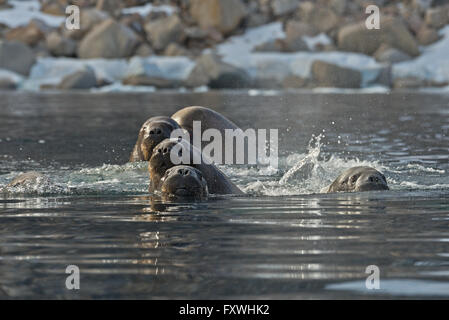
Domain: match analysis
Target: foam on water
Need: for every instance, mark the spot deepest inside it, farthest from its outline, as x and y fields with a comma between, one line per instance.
x=298, y=174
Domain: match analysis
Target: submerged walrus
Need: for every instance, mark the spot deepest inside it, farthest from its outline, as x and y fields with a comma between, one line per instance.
x=161, y=160
x=359, y=179
x=156, y=129
x=183, y=182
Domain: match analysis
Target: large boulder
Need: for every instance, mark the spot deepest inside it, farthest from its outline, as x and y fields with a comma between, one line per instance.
x=30, y=34
x=330, y=75
x=108, y=40
x=162, y=32
x=210, y=70
x=224, y=15
x=60, y=46
x=16, y=56
x=88, y=19
x=357, y=38
x=82, y=79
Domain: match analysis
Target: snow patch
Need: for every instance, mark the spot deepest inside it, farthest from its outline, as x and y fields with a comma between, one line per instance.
x=23, y=12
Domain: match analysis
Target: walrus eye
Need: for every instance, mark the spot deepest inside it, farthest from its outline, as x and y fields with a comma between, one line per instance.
x=353, y=179
x=159, y=150
x=180, y=153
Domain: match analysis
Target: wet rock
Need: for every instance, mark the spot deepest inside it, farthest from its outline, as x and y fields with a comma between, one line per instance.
x=357, y=38
x=109, y=39
x=164, y=31
x=144, y=80
x=282, y=7
x=16, y=56
x=60, y=46
x=387, y=54
x=211, y=71
x=88, y=19
x=82, y=79
x=427, y=36
x=436, y=17
x=224, y=15
x=330, y=75
x=30, y=34
x=320, y=17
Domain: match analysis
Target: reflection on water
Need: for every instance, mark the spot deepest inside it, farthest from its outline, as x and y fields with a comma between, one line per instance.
x=283, y=240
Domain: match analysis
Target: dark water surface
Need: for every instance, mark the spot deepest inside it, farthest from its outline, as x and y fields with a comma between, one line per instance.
x=284, y=240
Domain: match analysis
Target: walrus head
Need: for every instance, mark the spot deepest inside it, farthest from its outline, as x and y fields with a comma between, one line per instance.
x=152, y=132
x=163, y=158
x=359, y=179
x=183, y=182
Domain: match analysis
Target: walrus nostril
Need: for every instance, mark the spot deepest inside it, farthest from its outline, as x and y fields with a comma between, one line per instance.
x=158, y=131
x=371, y=179
x=151, y=132
x=159, y=150
x=165, y=150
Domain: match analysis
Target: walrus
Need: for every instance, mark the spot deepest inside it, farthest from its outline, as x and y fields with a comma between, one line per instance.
x=156, y=129
x=161, y=160
x=357, y=179
x=28, y=178
x=152, y=132
x=183, y=182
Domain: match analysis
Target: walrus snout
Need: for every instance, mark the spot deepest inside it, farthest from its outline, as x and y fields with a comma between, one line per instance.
x=183, y=182
x=371, y=182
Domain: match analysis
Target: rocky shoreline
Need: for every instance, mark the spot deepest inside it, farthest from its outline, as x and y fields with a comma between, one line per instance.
x=219, y=44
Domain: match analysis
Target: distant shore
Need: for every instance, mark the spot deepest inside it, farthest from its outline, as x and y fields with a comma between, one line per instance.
x=223, y=44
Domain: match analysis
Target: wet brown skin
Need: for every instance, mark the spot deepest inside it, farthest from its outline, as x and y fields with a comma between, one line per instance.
x=358, y=179
x=183, y=183
x=152, y=132
x=181, y=119
x=160, y=161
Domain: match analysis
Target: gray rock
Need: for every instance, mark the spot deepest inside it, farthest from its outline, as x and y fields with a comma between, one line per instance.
x=224, y=15
x=113, y=7
x=16, y=56
x=60, y=46
x=330, y=75
x=83, y=79
x=390, y=55
x=109, y=39
x=174, y=49
x=210, y=70
x=357, y=38
x=281, y=7
x=164, y=31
